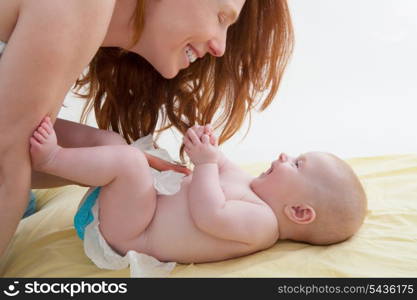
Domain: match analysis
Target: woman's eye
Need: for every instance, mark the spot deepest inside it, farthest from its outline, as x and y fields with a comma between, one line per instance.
x=297, y=163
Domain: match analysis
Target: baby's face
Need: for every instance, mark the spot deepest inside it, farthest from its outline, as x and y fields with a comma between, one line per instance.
x=294, y=178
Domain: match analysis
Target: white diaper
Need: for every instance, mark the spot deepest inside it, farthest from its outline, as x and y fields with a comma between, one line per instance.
x=165, y=182
x=141, y=265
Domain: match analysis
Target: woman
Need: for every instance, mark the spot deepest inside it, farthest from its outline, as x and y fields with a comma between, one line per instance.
x=147, y=67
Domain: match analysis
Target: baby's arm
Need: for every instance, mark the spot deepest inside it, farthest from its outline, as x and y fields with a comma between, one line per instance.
x=234, y=220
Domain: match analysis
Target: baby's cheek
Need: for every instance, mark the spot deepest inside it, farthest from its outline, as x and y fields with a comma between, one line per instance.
x=286, y=173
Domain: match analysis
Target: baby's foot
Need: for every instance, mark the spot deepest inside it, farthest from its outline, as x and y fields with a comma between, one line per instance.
x=43, y=146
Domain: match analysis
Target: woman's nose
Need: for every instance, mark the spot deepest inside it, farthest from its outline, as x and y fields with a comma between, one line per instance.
x=217, y=45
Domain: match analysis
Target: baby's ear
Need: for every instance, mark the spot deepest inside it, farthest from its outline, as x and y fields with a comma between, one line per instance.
x=302, y=214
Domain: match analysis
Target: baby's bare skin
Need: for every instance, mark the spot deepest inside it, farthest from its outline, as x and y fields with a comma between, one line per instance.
x=173, y=236
x=182, y=227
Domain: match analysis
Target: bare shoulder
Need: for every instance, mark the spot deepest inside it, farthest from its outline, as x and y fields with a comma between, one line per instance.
x=78, y=19
x=68, y=32
x=70, y=7
x=51, y=44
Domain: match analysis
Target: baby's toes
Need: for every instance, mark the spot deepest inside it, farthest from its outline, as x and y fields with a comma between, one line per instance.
x=39, y=137
x=43, y=132
x=47, y=126
x=48, y=120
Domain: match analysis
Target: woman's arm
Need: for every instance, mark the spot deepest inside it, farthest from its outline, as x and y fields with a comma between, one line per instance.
x=50, y=46
x=163, y=165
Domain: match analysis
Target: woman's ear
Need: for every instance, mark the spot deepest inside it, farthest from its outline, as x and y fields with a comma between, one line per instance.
x=302, y=214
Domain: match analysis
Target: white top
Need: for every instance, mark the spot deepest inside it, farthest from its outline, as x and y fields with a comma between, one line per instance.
x=2, y=46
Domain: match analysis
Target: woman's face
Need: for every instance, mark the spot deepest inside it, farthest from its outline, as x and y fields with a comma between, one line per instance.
x=177, y=32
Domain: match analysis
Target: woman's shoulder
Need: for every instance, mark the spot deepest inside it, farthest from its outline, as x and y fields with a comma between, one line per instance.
x=73, y=7
x=9, y=11
x=69, y=6
x=75, y=15
x=80, y=21
x=51, y=44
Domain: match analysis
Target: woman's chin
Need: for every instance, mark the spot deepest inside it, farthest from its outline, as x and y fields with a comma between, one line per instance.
x=168, y=73
x=170, y=76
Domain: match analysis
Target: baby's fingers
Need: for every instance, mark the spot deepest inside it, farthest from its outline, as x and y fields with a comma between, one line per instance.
x=205, y=139
x=213, y=140
x=186, y=141
x=193, y=137
x=208, y=129
x=198, y=129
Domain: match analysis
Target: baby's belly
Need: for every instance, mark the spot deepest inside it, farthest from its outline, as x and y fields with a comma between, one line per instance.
x=173, y=235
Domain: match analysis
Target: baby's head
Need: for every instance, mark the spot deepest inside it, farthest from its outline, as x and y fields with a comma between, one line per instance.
x=316, y=197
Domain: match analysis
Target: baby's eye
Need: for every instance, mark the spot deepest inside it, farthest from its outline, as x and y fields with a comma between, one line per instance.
x=297, y=163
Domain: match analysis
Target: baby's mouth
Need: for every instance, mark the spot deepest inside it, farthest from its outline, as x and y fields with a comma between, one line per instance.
x=266, y=172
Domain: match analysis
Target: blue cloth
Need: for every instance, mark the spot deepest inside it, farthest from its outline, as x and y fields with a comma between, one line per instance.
x=84, y=215
x=31, y=208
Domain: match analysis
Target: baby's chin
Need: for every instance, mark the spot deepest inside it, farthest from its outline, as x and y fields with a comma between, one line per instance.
x=256, y=184
x=252, y=183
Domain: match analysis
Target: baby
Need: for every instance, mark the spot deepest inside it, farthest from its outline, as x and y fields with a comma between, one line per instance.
x=220, y=212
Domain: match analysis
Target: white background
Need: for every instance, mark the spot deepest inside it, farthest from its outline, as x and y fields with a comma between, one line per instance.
x=350, y=88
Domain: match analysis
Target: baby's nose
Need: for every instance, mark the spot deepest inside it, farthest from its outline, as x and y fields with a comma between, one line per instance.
x=283, y=157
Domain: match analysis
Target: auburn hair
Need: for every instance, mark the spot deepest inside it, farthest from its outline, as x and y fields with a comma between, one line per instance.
x=130, y=97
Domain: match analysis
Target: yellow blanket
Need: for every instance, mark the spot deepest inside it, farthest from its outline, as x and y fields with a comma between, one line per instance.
x=46, y=245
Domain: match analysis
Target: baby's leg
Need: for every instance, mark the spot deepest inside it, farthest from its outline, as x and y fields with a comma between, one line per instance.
x=91, y=166
x=73, y=135
x=127, y=200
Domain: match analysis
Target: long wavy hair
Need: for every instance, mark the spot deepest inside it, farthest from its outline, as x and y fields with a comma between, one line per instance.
x=130, y=97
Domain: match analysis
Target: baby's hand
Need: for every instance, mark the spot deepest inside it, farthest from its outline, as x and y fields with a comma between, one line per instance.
x=200, y=150
x=206, y=129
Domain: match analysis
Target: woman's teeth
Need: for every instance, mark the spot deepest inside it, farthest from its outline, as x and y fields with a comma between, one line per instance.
x=192, y=56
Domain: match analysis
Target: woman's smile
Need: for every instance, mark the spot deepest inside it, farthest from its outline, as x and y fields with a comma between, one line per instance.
x=191, y=53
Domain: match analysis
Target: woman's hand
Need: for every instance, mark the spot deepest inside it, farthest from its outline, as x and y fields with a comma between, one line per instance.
x=163, y=165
